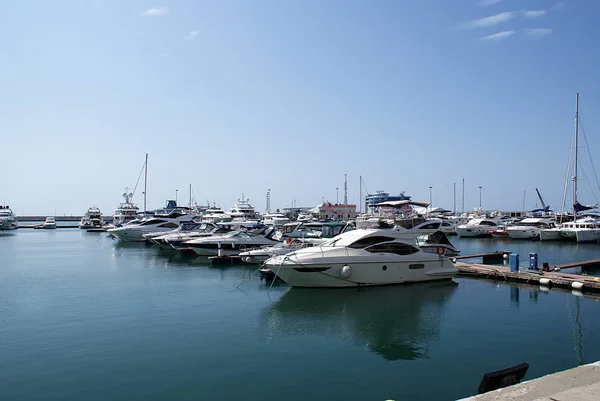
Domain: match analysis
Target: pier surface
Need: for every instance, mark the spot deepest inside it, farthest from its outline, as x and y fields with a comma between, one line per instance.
x=554, y=279
x=578, y=384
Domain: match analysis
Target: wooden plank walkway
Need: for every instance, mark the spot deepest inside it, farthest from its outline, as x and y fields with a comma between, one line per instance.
x=548, y=279
x=583, y=264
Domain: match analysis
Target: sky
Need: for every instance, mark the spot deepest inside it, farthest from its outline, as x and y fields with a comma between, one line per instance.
x=245, y=96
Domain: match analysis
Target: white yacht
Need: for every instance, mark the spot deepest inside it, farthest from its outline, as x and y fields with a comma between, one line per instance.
x=477, y=228
x=186, y=231
x=127, y=211
x=243, y=210
x=8, y=221
x=215, y=215
x=290, y=244
x=586, y=229
x=49, y=224
x=161, y=221
x=92, y=220
x=260, y=255
x=232, y=243
x=275, y=219
x=362, y=257
x=529, y=228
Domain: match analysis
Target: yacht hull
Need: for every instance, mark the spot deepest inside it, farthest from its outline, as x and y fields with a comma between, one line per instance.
x=587, y=235
x=363, y=274
x=8, y=225
x=473, y=232
x=525, y=233
x=551, y=235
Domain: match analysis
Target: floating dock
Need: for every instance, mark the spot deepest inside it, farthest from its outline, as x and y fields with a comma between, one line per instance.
x=576, y=282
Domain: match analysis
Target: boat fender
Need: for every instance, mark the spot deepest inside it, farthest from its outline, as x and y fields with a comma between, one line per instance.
x=346, y=271
x=577, y=285
x=545, y=281
x=505, y=256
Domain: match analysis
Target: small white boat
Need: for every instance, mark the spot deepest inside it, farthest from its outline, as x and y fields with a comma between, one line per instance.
x=49, y=224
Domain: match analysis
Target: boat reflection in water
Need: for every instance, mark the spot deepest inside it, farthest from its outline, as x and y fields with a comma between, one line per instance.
x=396, y=322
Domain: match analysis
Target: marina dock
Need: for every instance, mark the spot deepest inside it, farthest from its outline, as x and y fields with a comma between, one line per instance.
x=548, y=279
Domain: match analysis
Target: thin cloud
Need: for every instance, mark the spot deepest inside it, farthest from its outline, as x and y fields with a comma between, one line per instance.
x=537, y=33
x=489, y=21
x=163, y=55
x=191, y=35
x=498, y=36
x=533, y=13
x=155, y=11
x=485, y=3
x=558, y=6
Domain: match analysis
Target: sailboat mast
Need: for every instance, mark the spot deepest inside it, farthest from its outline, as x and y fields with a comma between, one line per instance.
x=145, y=181
x=575, y=166
x=454, y=202
x=190, y=198
x=360, y=195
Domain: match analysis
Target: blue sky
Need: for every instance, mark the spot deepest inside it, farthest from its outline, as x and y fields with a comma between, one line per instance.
x=243, y=96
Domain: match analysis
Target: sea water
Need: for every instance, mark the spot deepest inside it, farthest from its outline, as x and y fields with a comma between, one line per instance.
x=86, y=317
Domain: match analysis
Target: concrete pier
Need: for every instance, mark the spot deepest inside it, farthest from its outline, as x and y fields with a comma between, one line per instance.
x=578, y=384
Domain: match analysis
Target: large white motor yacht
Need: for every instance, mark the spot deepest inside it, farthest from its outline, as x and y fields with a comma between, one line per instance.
x=362, y=257
x=8, y=221
x=162, y=221
x=127, y=211
x=215, y=215
x=185, y=232
x=243, y=210
x=477, y=228
x=529, y=228
x=92, y=220
x=232, y=243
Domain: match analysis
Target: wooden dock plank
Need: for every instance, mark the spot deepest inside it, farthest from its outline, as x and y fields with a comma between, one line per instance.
x=558, y=279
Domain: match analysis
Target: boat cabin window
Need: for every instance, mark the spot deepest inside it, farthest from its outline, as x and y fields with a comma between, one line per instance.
x=393, y=247
x=368, y=241
x=487, y=223
x=430, y=226
x=152, y=221
x=169, y=225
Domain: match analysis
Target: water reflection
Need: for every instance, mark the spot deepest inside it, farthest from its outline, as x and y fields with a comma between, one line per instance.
x=396, y=322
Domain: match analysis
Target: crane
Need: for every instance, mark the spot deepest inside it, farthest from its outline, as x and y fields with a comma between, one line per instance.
x=545, y=208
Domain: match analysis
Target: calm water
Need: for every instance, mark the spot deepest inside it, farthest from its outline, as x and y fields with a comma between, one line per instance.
x=84, y=317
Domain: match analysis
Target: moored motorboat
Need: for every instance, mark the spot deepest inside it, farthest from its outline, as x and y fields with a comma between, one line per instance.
x=92, y=220
x=362, y=257
x=529, y=228
x=8, y=221
x=49, y=223
x=232, y=243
